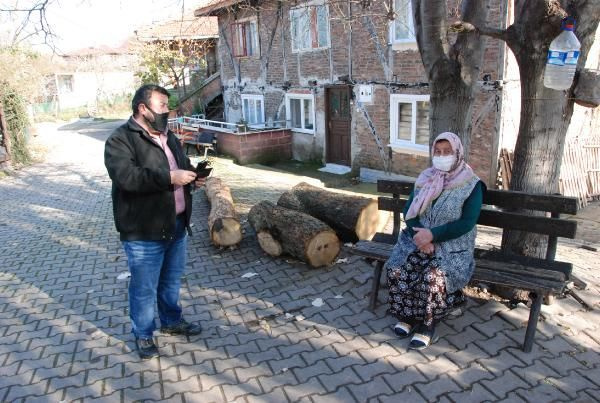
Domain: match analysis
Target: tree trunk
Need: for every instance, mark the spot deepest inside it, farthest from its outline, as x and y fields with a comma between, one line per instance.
x=280, y=230
x=5, y=133
x=545, y=113
x=352, y=217
x=223, y=223
x=453, y=69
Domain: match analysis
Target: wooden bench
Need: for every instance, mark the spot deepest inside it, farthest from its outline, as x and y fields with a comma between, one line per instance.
x=539, y=276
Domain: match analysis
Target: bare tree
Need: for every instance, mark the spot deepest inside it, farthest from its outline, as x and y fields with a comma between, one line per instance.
x=28, y=20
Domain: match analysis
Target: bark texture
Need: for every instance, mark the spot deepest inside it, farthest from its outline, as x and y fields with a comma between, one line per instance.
x=352, y=217
x=453, y=68
x=280, y=230
x=223, y=223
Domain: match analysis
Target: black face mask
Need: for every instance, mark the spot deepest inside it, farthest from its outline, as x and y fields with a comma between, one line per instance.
x=160, y=120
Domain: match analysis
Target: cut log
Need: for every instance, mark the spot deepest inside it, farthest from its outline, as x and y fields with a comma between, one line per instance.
x=352, y=217
x=280, y=230
x=223, y=223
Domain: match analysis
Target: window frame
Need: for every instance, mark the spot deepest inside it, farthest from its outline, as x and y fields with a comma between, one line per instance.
x=255, y=97
x=242, y=24
x=288, y=112
x=404, y=145
x=392, y=29
x=313, y=30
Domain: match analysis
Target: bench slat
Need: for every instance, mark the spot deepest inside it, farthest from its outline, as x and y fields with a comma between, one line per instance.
x=395, y=187
x=543, y=264
x=538, y=225
x=501, y=198
x=506, y=220
x=512, y=265
x=389, y=204
x=525, y=281
x=550, y=203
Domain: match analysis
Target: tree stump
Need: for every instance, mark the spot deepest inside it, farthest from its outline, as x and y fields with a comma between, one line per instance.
x=280, y=230
x=223, y=223
x=352, y=217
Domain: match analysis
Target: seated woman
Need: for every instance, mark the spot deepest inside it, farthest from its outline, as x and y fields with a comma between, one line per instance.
x=433, y=259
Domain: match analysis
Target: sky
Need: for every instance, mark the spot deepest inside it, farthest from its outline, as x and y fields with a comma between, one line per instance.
x=84, y=23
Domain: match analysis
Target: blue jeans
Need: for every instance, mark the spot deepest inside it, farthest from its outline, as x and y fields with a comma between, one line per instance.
x=156, y=268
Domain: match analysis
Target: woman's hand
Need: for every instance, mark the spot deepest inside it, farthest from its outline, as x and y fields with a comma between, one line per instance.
x=422, y=237
x=428, y=249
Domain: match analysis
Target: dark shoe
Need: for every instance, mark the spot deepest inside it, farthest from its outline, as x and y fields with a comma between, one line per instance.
x=403, y=329
x=424, y=336
x=146, y=348
x=183, y=327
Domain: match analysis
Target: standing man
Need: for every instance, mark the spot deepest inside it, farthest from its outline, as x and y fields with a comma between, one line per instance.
x=152, y=207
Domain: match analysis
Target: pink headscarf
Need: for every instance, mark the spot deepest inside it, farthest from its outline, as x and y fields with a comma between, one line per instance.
x=432, y=181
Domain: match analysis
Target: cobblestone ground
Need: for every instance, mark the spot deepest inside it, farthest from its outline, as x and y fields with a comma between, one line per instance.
x=65, y=331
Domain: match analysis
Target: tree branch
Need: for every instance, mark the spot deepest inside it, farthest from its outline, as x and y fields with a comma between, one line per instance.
x=462, y=26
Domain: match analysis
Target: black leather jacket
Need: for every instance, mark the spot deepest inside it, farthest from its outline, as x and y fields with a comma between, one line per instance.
x=142, y=194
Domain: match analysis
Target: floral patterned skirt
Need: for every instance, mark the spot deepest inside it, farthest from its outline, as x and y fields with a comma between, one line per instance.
x=418, y=290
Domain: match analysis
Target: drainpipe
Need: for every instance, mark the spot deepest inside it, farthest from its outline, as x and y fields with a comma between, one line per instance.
x=349, y=41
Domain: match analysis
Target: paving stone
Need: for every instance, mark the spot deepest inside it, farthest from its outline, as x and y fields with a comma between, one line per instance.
x=171, y=389
x=306, y=372
x=475, y=394
x=409, y=395
x=433, y=389
x=471, y=374
x=501, y=386
x=244, y=374
x=276, y=396
x=365, y=391
x=437, y=367
x=572, y=384
x=464, y=337
x=312, y=387
x=535, y=373
x=544, y=392
x=500, y=363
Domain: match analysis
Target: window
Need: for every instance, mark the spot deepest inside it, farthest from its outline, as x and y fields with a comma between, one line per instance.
x=402, y=27
x=409, y=123
x=300, y=112
x=65, y=84
x=244, y=36
x=253, y=109
x=310, y=27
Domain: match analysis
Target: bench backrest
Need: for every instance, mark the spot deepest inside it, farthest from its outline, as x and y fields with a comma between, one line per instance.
x=500, y=210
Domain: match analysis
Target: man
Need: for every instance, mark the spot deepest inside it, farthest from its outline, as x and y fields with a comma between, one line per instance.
x=152, y=206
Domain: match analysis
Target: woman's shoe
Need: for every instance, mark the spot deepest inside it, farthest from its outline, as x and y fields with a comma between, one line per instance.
x=423, y=338
x=403, y=329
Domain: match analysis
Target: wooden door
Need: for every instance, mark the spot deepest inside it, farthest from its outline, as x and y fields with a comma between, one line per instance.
x=337, y=117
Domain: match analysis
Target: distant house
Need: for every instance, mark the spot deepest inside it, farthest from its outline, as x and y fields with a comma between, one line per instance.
x=87, y=76
x=196, y=39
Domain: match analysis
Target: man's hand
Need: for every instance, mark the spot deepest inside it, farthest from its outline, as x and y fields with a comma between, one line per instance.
x=428, y=249
x=422, y=237
x=200, y=182
x=182, y=177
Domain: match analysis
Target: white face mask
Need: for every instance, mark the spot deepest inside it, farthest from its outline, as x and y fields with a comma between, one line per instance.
x=444, y=163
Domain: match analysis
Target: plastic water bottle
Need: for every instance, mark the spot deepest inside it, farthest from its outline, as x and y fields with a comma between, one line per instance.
x=562, y=58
